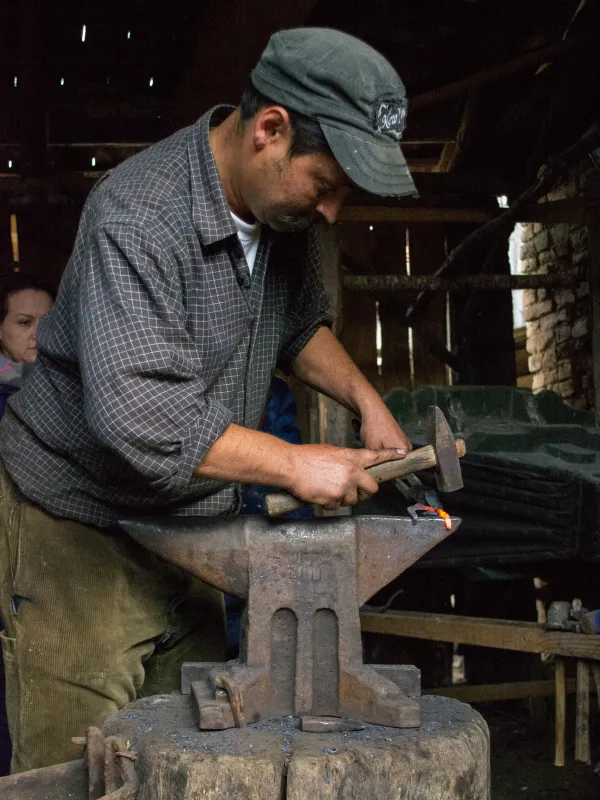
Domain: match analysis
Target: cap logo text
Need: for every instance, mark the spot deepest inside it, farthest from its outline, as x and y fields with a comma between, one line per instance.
x=390, y=118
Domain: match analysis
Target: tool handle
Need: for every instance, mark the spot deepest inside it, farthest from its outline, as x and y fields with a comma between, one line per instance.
x=278, y=503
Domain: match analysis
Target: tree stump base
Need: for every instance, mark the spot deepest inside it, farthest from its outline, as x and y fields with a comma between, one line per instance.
x=447, y=758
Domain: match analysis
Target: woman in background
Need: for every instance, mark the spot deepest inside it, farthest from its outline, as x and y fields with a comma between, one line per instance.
x=23, y=302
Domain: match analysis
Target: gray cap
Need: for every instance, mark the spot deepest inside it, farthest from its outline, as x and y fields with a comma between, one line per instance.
x=352, y=91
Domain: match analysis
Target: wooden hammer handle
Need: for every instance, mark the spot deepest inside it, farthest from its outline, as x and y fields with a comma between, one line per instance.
x=278, y=503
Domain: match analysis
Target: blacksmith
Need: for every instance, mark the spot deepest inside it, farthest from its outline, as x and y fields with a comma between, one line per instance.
x=195, y=273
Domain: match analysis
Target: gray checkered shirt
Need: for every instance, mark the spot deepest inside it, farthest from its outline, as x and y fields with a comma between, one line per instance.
x=159, y=339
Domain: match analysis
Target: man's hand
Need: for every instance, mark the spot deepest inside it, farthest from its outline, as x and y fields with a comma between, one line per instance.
x=316, y=473
x=380, y=430
x=335, y=476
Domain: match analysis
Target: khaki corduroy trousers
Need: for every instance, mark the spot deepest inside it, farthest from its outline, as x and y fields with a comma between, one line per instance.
x=92, y=621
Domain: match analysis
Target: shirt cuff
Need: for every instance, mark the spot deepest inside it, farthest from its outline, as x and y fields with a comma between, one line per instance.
x=195, y=444
x=292, y=350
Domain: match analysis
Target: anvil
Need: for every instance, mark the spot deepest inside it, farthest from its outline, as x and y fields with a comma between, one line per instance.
x=304, y=581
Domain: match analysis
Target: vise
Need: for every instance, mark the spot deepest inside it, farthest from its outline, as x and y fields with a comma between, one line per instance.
x=304, y=581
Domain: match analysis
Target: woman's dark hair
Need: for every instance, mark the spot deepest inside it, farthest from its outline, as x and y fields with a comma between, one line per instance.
x=307, y=136
x=19, y=283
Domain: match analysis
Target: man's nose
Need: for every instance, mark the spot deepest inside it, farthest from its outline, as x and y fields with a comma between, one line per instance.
x=329, y=207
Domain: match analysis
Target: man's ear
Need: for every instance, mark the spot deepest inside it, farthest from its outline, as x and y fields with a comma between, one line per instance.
x=272, y=127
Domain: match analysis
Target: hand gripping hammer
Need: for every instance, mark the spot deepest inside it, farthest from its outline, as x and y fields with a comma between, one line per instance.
x=442, y=453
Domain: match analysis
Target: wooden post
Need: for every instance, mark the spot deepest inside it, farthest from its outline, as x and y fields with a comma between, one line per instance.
x=582, y=713
x=596, y=674
x=389, y=251
x=593, y=189
x=357, y=331
x=561, y=712
x=334, y=420
x=427, y=247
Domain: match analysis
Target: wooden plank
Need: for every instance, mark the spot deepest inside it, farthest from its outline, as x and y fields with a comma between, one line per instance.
x=427, y=247
x=494, y=692
x=571, y=210
x=526, y=637
x=333, y=420
x=498, y=71
x=560, y=713
x=414, y=214
x=484, y=282
x=358, y=329
x=389, y=251
x=582, y=713
x=358, y=332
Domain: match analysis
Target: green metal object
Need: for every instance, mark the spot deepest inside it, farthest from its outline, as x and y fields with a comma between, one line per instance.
x=531, y=473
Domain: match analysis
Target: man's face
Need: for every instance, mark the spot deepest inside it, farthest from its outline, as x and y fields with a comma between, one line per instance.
x=288, y=194
x=296, y=191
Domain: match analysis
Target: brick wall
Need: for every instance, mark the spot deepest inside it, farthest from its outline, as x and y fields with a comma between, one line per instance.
x=558, y=320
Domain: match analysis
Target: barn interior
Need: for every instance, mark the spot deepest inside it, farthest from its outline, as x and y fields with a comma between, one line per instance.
x=480, y=296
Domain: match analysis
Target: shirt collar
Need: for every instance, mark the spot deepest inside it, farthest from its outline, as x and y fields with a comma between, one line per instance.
x=210, y=213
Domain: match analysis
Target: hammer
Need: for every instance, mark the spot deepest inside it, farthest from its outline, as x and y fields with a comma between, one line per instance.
x=442, y=453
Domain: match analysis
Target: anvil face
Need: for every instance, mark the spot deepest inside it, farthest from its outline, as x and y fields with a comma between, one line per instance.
x=217, y=549
x=305, y=581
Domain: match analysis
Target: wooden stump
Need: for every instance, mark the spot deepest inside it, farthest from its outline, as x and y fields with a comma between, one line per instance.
x=447, y=758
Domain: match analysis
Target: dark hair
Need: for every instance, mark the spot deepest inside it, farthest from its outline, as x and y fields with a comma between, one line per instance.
x=307, y=135
x=19, y=283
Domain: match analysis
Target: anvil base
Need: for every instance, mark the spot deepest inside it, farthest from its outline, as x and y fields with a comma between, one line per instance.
x=381, y=694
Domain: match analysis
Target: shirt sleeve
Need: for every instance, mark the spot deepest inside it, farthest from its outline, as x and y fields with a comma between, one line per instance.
x=144, y=395
x=310, y=308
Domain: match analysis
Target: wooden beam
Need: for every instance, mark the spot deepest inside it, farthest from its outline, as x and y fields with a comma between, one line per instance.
x=498, y=71
x=429, y=184
x=493, y=692
x=525, y=637
x=573, y=210
x=413, y=214
x=485, y=282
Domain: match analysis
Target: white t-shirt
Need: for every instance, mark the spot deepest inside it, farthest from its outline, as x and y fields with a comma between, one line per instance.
x=249, y=235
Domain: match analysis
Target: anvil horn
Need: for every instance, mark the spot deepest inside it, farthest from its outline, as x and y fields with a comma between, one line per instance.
x=215, y=549
x=386, y=546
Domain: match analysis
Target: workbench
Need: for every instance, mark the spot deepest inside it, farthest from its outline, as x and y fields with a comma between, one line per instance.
x=525, y=637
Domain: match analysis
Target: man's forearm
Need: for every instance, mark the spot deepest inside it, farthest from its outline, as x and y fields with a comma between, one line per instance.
x=242, y=455
x=324, y=365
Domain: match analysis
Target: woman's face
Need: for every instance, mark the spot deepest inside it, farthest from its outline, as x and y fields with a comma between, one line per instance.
x=19, y=327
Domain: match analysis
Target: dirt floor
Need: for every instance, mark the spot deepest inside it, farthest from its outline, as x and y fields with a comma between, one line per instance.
x=523, y=761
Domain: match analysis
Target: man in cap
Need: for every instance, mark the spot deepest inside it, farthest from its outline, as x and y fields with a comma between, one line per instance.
x=195, y=272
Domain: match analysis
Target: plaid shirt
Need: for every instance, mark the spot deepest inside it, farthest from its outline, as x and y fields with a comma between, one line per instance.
x=159, y=339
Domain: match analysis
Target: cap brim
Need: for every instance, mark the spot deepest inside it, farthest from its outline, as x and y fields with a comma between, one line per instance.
x=375, y=166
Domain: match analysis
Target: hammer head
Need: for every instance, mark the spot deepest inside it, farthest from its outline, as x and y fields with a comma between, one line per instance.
x=447, y=472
